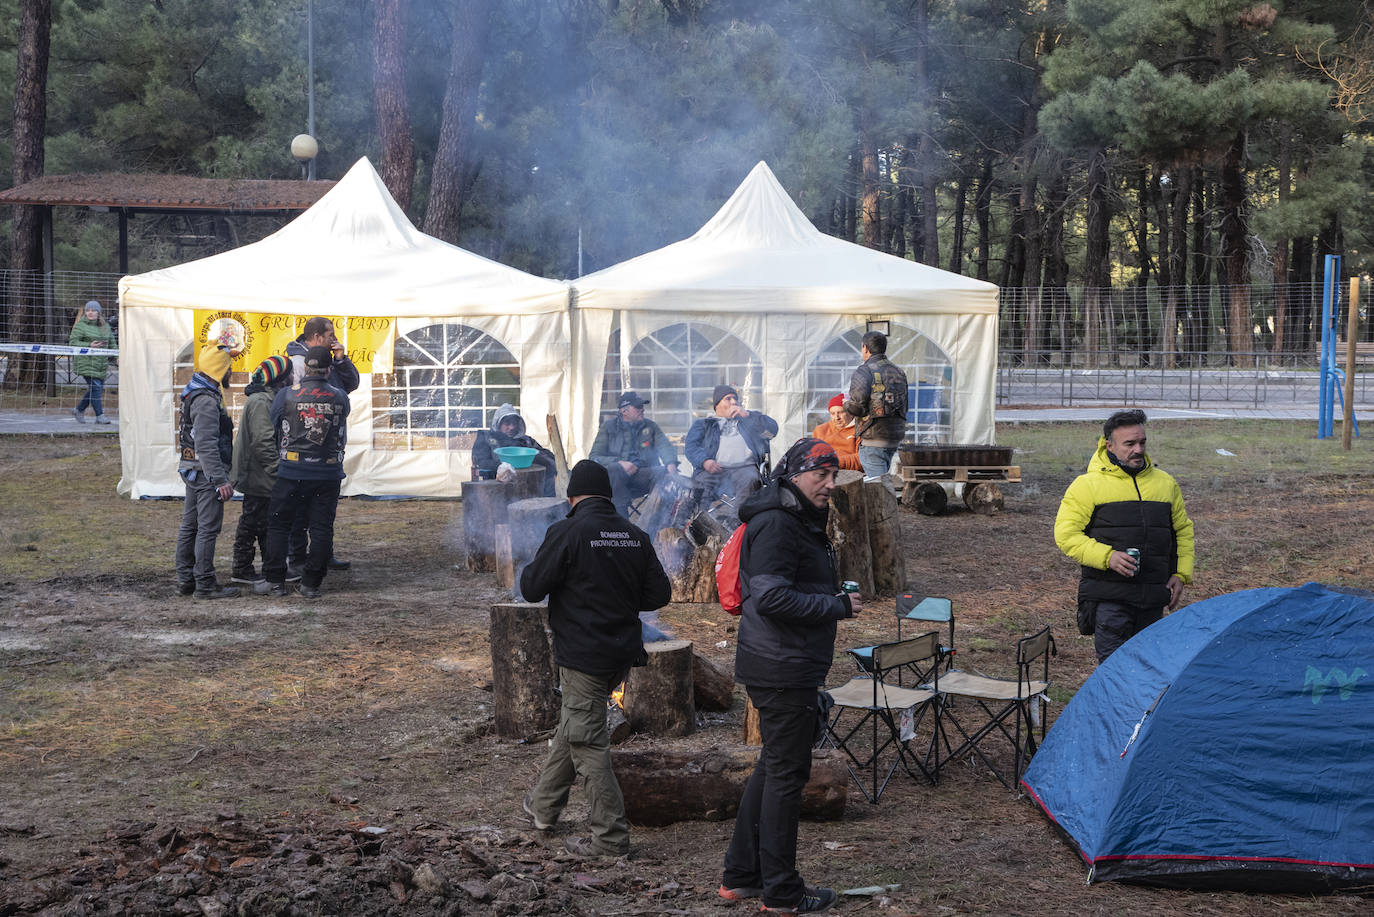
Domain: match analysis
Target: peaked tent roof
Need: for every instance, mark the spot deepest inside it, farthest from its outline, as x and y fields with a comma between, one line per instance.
x=356, y=253
x=1227, y=745
x=760, y=253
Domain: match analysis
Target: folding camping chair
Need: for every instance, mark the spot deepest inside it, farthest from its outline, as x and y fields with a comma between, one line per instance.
x=913, y=606
x=966, y=697
x=894, y=714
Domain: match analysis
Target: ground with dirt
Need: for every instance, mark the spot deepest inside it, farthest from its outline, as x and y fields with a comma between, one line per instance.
x=279, y=756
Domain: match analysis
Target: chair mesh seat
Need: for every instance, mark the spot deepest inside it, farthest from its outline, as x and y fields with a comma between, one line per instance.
x=858, y=693
x=970, y=685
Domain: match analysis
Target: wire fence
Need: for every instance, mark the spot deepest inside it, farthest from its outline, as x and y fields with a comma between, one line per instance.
x=1061, y=346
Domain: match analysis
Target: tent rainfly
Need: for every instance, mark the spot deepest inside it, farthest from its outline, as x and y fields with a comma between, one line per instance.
x=761, y=299
x=440, y=336
x=1225, y=746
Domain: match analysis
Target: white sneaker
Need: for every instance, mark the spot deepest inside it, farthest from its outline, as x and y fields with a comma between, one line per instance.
x=80, y=417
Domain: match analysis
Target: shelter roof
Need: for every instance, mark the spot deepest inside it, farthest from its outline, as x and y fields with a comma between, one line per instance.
x=167, y=192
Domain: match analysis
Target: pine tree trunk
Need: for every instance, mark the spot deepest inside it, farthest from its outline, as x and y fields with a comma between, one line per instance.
x=982, y=211
x=1197, y=325
x=1281, y=339
x=1235, y=252
x=397, y=161
x=455, y=160
x=1097, y=270
x=868, y=207
x=956, y=251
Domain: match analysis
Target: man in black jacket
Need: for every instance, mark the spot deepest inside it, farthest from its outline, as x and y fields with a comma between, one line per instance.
x=598, y=571
x=792, y=603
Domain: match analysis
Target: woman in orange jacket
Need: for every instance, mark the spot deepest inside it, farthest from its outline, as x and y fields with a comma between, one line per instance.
x=838, y=431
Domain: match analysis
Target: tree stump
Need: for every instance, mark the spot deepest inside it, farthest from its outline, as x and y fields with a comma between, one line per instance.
x=522, y=671
x=658, y=508
x=704, y=571
x=678, y=555
x=484, y=508
x=529, y=520
x=663, y=787
x=505, y=561
x=658, y=696
x=528, y=483
x=713, y=687
x=928, y=497
x=848, y=530
x=884, y=538
x=984, y=498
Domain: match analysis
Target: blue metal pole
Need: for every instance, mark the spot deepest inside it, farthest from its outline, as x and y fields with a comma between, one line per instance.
x=1331, y=295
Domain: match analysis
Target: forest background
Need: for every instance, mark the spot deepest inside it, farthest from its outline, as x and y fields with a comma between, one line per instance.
x=1045, y=145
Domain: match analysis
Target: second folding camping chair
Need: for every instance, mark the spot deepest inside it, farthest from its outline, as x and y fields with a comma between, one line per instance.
x=912, y=606
x=1006, y=707
x=893, y=714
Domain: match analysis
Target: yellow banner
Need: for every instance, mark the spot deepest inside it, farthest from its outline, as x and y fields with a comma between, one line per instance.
x=255, y=336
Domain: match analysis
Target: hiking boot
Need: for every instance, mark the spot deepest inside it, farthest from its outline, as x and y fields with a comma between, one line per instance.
x=528, y=805
x=247, y=577
x=293, y=573
x=309, y=592
x=263, y=587
x=217, y=592
x=813, y=901
x=186, y=588
x=336, y=564
x=739, y=892
x=101, y=418
x=586, y=847
x=80, y=417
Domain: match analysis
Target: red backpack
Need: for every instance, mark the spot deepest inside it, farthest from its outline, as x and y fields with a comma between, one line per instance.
x=727, y=573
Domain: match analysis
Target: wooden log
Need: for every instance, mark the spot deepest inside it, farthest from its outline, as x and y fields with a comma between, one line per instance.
x=753, y=735
x=677, y=554
x=658, y=696
x=484, y=508
x=528, y=483
x=529, y=520
x=704, y=570
x=713, y=686
x=927, y=497
x=505, y=562
x=984, y=498
x=522, y=671
x=884, y=538
x=705, y=525
x=658, y=508
x=848, y=530
x=662, y=787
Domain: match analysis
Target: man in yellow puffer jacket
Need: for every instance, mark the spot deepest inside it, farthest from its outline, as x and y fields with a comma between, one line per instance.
x=1124, y=501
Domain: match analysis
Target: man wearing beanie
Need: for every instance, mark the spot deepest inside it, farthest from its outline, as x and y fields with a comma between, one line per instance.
x=309, y=418
x=634, y=451
x=792, y=603
x=729, y=449
x=205, y=445
x=254, y=471
x=838, y=431
x=599, y=572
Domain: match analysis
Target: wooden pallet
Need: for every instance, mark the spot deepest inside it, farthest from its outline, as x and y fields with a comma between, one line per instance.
x=958, y=474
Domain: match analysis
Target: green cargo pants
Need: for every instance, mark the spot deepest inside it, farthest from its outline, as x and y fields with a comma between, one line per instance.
x=581, y=746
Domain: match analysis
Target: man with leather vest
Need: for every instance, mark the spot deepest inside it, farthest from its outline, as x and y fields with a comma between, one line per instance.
x=878, y=398
x=634, y=451
x=205, y=446
x=310, y=418
x=1123, y=502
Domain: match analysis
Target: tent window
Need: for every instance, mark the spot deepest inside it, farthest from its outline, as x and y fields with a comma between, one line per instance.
x=676, y=367
x=448, y=381
x=928, y=370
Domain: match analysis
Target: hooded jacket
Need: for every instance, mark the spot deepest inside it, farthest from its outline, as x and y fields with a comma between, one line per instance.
x=84, y=334
x=599, y=572
x=254, y=470
x=342, y=374
x=1107, y=509
x=792, y=600
x=484, y=459
x=205, y=438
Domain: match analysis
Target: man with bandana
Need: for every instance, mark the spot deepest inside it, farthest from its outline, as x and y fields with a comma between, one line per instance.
x=1125, y=501
x=792, y=604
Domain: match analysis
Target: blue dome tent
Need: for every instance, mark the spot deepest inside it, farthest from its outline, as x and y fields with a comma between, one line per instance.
x=1230, y=745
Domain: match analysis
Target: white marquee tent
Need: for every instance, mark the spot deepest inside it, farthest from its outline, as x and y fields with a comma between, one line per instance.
x=762, y=300
x=465, y=330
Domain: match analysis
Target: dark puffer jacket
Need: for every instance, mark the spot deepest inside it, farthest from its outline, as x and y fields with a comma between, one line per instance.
x=484, y=458
x=792, y=597
x=599, y=572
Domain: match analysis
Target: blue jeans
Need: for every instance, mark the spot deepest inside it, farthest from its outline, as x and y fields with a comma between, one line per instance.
x=95, y=389
x=877, y=460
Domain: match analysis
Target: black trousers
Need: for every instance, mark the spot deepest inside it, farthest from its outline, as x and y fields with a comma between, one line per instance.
x=251, y=534
x=311, y=504
x=625, y=487
x=763, y=849
x=1117, y=623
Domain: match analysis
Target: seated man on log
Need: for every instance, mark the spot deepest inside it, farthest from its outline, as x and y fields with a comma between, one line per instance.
x=634, y=450
x=729, y=450
x=839, y=432
x=508, y=429
x=598, y=571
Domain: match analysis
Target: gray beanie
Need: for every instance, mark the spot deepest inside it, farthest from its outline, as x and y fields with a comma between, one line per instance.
x=92, y=304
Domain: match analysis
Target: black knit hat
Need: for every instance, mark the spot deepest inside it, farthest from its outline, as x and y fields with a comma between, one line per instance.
x=720, y=391
x=589, y=479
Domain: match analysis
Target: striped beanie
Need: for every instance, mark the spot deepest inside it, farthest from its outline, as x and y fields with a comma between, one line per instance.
x=270, y=370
